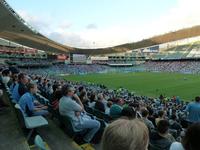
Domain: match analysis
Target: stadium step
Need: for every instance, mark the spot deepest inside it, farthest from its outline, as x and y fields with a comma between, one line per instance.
x=56, y=138
x=11, y=136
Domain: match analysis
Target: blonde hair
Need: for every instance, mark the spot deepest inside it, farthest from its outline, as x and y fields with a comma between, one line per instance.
x=124, y=134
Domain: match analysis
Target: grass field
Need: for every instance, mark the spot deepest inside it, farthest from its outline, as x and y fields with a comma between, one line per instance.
x=150, y=84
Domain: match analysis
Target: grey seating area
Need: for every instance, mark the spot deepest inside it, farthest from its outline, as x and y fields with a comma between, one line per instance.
x=30, y=123
x=11, y=136
x=14, y=129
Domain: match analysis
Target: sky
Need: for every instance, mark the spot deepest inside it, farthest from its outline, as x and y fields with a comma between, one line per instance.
x=105, y=23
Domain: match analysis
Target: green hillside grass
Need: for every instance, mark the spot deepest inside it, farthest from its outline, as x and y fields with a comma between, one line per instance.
x=148, y=84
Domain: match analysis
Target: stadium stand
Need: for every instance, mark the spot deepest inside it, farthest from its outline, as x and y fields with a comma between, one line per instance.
x=179, y=52
x=49, y=132
x=179, y=66
x=170, y=107
x=86, y=114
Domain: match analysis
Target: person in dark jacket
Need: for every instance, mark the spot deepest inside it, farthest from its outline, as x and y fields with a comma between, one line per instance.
x=20, y=88
x=161, y=139
x=99, y=105
x=128, y=112
x=56, y=95
x=174, y=125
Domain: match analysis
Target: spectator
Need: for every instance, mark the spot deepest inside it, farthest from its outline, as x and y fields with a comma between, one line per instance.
x=176, y=146
x=116, y=109
x=136, y=106
x=20, y=89
x=83, y=97
x=14, y=82
x=92, y=99
x=161, y=115
x=129, y=112
x=124, y=134
x=26, y=102
x=191, y=139
x=108, y=106
x=49, y=89
x=99, y=105
x=161, y=140
x=81, y=89
x=193, y=110
x=6, y=76
x=74, y=109
x=148, y=123
x=56, y=95
x=14, y=76
x=102, y=99
x=175, y=125
x=14, y=70
x=151, y=116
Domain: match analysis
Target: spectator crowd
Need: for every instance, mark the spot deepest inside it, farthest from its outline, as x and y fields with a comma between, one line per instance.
x=191, y=67
x=135, y=122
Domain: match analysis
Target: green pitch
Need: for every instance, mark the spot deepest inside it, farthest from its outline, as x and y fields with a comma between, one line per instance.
x=148, y=84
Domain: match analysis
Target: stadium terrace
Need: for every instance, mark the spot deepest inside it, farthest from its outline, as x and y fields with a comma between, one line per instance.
x=135, y=96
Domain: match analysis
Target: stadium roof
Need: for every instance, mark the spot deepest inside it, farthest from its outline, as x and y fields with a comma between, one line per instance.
x=14, y=28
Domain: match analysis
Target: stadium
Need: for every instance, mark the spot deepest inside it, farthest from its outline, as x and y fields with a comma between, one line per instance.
x=135, y=96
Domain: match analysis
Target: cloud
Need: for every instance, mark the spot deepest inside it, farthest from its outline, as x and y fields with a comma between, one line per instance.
x=91, y=26
x=70, y=39
x=91, y=37
x=65, y=25
x=107, y=37
x=39, y=23
x=185, y=14
x=58, y=32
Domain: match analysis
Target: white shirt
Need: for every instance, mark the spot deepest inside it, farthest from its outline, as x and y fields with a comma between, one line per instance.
x=176, y=146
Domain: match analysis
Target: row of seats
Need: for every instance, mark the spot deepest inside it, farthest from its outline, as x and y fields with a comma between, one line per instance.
x=69, y=129
x=28, y=123
x=34, y=122
x=98, y=113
